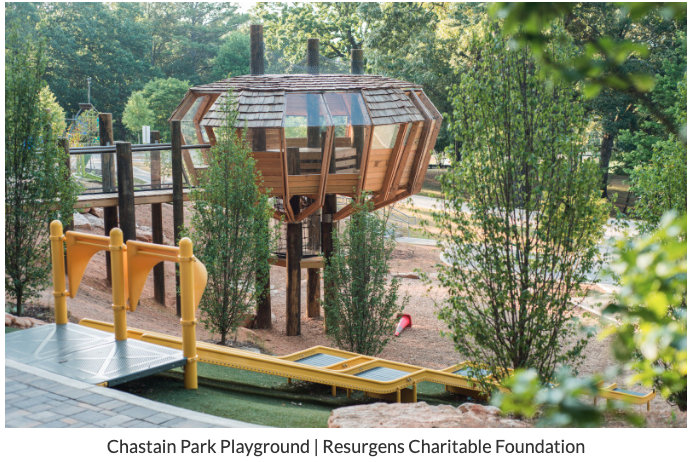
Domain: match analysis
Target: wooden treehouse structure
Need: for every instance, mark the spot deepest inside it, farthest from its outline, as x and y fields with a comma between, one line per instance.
x=315, y=136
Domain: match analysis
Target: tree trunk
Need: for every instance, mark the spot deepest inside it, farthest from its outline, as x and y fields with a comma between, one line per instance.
x=605, y=152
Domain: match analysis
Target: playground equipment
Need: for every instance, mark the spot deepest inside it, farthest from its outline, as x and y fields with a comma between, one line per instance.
x=90, y=356
x=404, y=322
x=89, y=352
x=315, y=136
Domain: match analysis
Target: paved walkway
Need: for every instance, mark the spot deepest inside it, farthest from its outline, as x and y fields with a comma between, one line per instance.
x=36, y=398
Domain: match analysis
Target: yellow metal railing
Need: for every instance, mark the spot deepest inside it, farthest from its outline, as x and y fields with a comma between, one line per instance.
x=133, y=259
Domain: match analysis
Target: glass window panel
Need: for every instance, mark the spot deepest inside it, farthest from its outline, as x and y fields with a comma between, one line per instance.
x=384, y=136
x=350, y=119
x=305, y=121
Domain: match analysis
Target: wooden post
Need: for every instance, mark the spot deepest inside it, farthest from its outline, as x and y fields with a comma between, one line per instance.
x=313, y=293
x=110, y=214
x=313, y=56
x=294, y=234
x=178, y=213
x=328, y=210
x=313, y=107
x=126, y=190
x=293, y=161
x=256, y=49
x=69, y=221
x=157, y=220
x=263, y=318
x=357, y=64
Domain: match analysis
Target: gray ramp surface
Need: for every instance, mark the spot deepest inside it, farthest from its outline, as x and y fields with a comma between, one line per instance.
x=321, y=360
x=89, y=355
x=383, y=374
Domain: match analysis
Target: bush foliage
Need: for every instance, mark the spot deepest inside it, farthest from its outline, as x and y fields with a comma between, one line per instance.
x=230, y=231
x=522, y=214
x=36, y=175
x=361, y=311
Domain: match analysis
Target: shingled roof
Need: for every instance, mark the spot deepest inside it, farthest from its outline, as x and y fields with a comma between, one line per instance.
x=304, y=83
x=261, y=98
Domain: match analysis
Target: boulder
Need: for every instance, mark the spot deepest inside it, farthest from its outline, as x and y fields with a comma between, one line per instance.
x=9, y=319
x=421, y=415
x=23, y=323
x=81, y=221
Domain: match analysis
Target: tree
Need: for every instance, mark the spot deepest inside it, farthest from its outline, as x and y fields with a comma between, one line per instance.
x=620, y=45
x=230, y=232
x=57, y=114
x=522, y=215
x=661, y=184
x=137, y=113
x=652, y=305
x=38, y=187
x=340, y=27
x=95, y=40
x=233, y=58
x=651, y=338
x=163, y=96
x=360, y=311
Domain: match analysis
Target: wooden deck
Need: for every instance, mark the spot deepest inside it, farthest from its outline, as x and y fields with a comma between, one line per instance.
x=155, y=196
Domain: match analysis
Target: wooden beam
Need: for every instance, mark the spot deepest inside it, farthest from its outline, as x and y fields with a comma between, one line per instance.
x=110, y=214
x=157, y=221
x=393, y=160
x=126, y=191
x=287, y=193
x=178, y=211
x=256, y=49
x=365, y=159
x=401, y=166
x=294, y=245
x=313, y=293
x=422, y=142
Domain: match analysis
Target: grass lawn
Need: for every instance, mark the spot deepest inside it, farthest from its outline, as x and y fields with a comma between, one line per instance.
x=261, y=399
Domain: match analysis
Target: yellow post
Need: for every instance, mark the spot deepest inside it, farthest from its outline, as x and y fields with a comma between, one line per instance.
x=187, y=311
x=117, y=250
x=58, y=258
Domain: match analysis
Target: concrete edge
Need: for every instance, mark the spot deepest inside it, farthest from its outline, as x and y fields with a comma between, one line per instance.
x=131, y=399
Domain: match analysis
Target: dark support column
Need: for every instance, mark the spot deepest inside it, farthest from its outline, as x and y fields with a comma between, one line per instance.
x=126, y=191
x=157, y=221
x=357, y=65
x=313, y=59
x=110, y=214
x=178, y=212
x=294, y=234
x=328, y=210
x=67, y=221
x=313, y=293
x=359, y=130
x=263, y=318
x=256, y=49
x=313, y=56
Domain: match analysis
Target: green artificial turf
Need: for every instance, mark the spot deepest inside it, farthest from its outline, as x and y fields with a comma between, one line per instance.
x=260, y=398
x=10, y=329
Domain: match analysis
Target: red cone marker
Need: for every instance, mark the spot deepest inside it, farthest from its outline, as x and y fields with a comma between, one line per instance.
x=404, y=322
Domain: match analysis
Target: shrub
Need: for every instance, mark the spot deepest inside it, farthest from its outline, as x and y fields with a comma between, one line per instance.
x=361, y=311
x=522, y=213
x=38, y=187
x=230, y=231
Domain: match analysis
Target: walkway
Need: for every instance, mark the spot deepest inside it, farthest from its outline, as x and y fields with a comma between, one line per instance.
x=36, y=398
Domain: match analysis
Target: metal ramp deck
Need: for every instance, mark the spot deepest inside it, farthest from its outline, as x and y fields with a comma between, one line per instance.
x=89, y=355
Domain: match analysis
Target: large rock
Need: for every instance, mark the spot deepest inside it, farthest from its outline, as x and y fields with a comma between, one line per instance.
x=421, y=415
